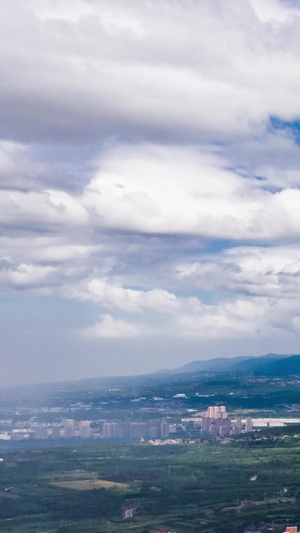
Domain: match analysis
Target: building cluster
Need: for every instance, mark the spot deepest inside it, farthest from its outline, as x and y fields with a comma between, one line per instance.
x=161, y=531
x=151, y=429
x=69, y=430
x=271, y=526
x=216, y=422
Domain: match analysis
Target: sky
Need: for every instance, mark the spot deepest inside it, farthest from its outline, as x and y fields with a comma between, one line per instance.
x=149, y=184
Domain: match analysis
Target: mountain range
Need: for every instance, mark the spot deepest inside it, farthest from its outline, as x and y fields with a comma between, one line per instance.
x=270, y=364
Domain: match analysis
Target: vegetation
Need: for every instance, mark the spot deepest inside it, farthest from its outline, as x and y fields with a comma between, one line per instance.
x=207, y=486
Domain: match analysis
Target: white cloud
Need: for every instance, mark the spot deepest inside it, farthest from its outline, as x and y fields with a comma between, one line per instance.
x=27, y=276
x=233, y=319
x=188, y=317
x=181, y=70
x=191, y=319
x=176, y=99
x=125, y=299
x=155, y=189
x=47, y=249
x=110, y=328
x=18, y=170
x=162, y=190
x=41, y=209
x=256, y=271
x=169, y=191
x=274, y=11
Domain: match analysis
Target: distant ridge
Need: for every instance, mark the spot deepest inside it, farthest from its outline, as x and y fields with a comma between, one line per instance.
x=282, y=367
x=219, y=364
x=262, y=363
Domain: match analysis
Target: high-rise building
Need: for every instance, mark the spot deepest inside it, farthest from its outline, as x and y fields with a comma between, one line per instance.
x=214, y=430
x=216, y=421
x=69, y=429
x=164, y=429
x=153, y=428
x=206, y=424
x=223, y=430
x=234, y=430
x=152, y=433
x=249, y=424
x=137, y=430
x=126, y=429
x=55, y=433
x=110, y=430
x=85, y=429
x=134, y=430
x=224, y=426
x=41, y=433
x=238, y=425
x=210, y=412
x=216, y=411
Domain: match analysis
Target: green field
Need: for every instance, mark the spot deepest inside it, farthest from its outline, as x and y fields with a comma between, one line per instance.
x=208, y=487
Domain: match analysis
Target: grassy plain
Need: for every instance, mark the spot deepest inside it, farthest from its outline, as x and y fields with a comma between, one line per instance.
x=89, y=484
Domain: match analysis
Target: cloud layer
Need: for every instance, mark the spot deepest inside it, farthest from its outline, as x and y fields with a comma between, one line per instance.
x=149, y=169
x=181, y=70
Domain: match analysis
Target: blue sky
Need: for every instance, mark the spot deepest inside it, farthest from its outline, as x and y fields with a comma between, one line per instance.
x=150, y=184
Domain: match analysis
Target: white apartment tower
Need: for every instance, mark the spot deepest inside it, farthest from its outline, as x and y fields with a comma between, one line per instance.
x=69, y=429
x=249, y=424
x=85, y=429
